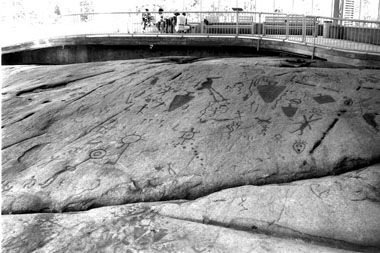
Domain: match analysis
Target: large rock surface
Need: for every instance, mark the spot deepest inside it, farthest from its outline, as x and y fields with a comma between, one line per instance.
x=303, y=139
x=134, y=228
x=98, y=134
x=341, y=210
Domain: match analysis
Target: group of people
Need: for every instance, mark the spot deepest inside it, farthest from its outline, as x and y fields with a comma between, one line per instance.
x=166, y=23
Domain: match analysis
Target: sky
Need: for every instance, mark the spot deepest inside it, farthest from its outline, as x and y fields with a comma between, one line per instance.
x=45, y=8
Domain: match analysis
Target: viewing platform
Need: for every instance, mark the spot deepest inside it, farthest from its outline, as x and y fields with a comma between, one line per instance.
x=336, y=40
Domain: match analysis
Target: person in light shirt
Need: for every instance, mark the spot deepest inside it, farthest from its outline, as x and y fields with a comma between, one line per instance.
x=181, y=25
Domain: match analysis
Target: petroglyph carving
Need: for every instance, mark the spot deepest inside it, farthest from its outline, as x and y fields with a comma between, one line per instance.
x=305, y=123
x=270, y=91
x=179, y=100
x=126, y=141
x=97, y=154
x=299, y=146
x=242, y=200
x=289, y=110
x=214, y=93
x=29, y=183
x=214, y=108
x=188, y=135
x=264, y=124
x=239, y=116
x=324, y=99
x=171, y=171
x=263, y=121
x=129, y=101
x=93, y=154
x=278, y=138
x=50, y=180
x=238, y=86
x=5, y=186
x=316, y=111
x=370, y=120
x=232, y=127
x=348, y=102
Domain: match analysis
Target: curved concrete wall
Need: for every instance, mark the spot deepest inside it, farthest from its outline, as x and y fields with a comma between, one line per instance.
x=76, y=49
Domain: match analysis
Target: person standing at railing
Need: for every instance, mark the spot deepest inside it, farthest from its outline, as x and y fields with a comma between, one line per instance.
x=160, y=23
x=146, y=19
x=168, y=23
x=182, y=23
x=172, y=22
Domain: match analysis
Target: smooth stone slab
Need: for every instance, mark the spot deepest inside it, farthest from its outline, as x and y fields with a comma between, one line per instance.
x=340, y=210
x=133, y=228
x=100, y=134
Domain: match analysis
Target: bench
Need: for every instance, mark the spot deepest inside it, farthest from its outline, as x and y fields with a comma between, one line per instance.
x=277, y=25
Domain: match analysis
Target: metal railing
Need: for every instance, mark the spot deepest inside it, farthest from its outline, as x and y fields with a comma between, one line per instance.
x=331, y=33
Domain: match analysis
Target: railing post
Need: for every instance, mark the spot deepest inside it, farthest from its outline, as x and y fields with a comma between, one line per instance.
x=253, y=25
x=304, y=29
x=202, y=23
x=262, y=26
x=287, y=26
x=237, y=23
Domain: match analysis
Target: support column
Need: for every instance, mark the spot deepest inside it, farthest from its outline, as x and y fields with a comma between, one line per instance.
x=336, y=9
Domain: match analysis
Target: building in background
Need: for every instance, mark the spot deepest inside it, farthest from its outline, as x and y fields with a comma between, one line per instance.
x=349, y=9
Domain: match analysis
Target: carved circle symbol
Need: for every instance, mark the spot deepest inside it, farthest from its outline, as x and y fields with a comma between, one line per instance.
x=97, y=154
x=188, y=135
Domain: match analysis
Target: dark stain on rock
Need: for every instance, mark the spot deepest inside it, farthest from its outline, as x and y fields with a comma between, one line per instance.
x=370, y=119
x=179, y=100
x=324, y=99
x=270, y=92
x=154, y=81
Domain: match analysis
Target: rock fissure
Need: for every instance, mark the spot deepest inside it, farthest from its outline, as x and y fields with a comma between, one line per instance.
x=23, y=140
x=324, y=134
x=58, y=85
x=294, y=234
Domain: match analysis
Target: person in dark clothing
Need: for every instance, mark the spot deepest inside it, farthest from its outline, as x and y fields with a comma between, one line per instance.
x=160, y=22
x=146, y=19
x=170, y=22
